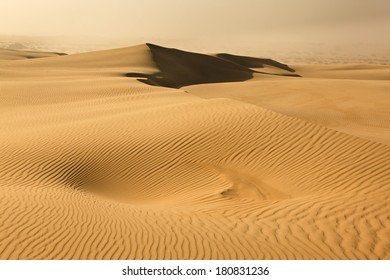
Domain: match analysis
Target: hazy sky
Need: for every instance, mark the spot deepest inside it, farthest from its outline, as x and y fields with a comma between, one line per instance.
x=293, y=20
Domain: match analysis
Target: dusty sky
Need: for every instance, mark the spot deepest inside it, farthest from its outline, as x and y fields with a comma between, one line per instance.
x=339, y=21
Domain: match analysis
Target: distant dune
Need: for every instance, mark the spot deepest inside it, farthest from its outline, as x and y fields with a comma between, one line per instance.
x=15, y=54
x=148, y=152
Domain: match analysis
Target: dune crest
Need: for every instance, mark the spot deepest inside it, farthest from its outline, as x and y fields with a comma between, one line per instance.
x=179, y=68
x=19, y=53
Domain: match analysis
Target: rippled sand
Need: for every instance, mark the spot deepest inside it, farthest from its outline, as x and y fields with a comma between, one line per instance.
x=153, y=153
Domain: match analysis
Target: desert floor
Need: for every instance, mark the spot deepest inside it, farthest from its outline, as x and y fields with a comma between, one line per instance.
x=154, y=153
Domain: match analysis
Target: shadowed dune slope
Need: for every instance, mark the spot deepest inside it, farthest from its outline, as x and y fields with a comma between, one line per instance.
x=96, y=165
x=253, y=62
x=179, y=68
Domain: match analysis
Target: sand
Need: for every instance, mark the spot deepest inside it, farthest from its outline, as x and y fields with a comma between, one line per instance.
x=153, y=153
x=11, y=54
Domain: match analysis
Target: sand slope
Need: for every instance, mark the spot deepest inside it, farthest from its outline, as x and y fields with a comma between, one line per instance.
x=353, y=99
x=7, y=54
x=177, y=68
x=95, y=164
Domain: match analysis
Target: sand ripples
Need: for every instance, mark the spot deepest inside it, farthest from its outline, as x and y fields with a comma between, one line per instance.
x=141, y=172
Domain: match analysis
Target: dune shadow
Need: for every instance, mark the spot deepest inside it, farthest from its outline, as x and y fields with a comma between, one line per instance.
x=179, y=68
x=254, y=62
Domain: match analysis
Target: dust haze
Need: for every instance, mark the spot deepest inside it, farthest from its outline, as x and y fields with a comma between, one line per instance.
x=204, y=25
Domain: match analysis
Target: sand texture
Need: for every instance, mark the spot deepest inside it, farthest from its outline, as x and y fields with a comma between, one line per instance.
x=154, y=153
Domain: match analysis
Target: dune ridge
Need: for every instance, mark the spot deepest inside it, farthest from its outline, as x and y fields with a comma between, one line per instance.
x=254, y=62
x=96, y=165
x=12, y=54
x=179, y=68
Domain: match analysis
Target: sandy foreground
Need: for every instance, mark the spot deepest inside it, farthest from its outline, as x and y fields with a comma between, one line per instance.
x=154, y=153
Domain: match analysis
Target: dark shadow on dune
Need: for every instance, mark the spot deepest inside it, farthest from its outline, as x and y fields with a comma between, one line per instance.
x=32, y=56
x=253, y=62
x=180, y=68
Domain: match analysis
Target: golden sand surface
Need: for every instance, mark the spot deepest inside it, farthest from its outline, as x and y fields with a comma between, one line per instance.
x=147, y=152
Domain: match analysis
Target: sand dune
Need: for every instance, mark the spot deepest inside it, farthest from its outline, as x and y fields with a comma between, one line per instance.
x=235, y=164
x=353, y=99
x=11, y=54
x=177, y=68
x=254, y=62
